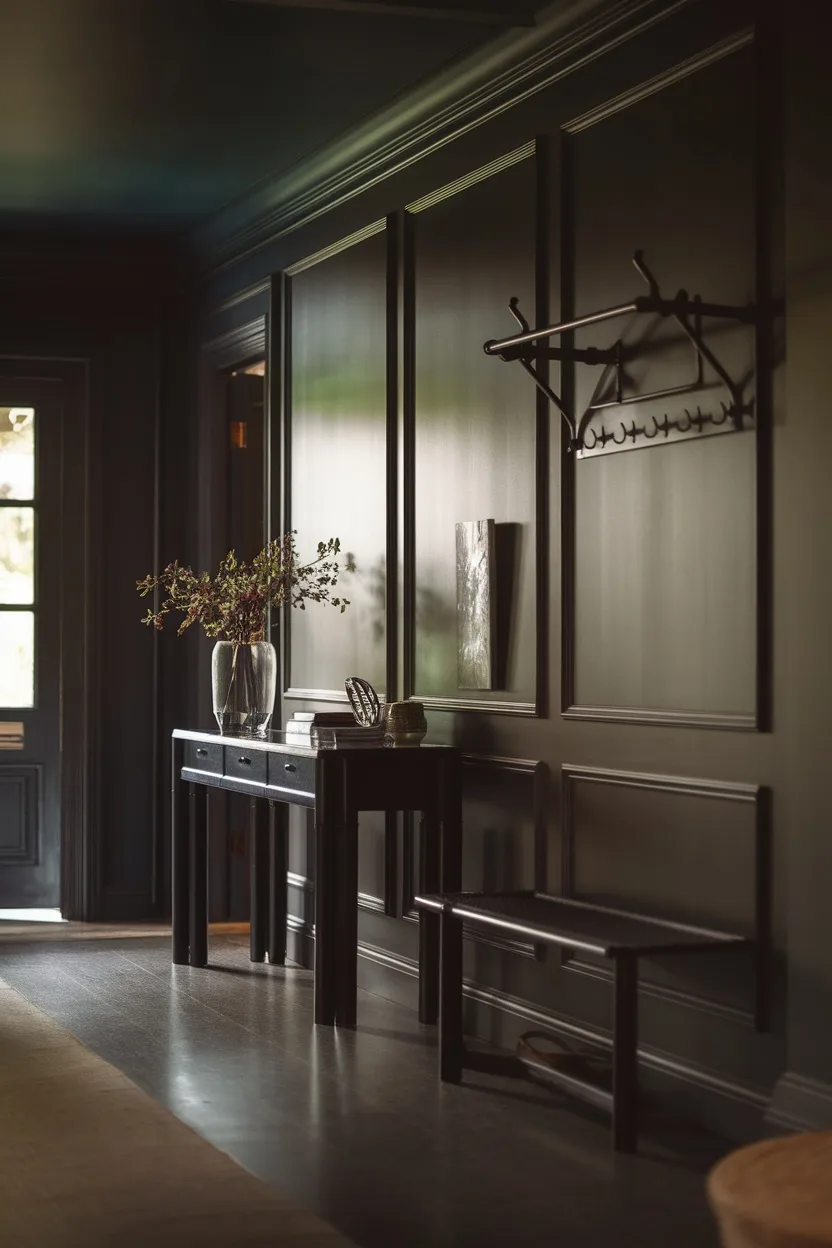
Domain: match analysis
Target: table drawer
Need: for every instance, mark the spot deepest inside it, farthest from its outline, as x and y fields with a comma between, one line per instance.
x=244, y=763
x=204, y=756
x=296, y=774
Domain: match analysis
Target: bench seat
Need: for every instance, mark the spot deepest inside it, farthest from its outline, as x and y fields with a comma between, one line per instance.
x=566, y=922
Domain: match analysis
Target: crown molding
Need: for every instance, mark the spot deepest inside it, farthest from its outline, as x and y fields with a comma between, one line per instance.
x=507, y=70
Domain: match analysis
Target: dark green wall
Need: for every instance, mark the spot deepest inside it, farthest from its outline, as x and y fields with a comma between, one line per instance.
x=662, y=706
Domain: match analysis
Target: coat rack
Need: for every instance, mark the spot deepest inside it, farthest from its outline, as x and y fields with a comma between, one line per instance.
x=687, y=313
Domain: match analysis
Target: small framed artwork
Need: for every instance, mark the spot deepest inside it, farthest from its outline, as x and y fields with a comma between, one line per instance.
x=475, y=603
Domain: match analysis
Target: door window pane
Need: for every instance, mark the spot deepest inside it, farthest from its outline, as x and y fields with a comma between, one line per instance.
x=17, y=554
x=17, y=658
x=17, y=452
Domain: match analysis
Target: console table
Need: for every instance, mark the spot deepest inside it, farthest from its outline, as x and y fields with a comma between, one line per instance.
x=337, y=783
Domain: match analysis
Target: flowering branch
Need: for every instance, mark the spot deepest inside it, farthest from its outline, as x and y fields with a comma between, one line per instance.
x=233, y=603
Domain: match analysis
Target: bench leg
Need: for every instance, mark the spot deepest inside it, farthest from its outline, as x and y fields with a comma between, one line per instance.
x=430, y=880
x=624, y=1055
x=450, y=1015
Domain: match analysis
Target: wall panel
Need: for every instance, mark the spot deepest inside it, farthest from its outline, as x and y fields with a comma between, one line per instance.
x=473, y=248
x=665, y=599
x=336, y=435
x=693, y=851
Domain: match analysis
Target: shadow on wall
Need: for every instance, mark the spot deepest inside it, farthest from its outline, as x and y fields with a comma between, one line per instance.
x=436, y=614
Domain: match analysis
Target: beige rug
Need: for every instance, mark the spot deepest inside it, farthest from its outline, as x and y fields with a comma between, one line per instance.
x=88, y=1160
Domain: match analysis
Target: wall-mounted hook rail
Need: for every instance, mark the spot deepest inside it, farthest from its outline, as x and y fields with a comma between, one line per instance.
x=688, y=314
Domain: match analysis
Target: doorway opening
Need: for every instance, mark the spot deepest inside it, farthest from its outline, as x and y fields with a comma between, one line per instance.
x=246, y=533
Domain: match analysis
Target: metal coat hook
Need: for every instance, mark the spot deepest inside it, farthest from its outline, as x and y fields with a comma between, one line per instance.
x=686, y=312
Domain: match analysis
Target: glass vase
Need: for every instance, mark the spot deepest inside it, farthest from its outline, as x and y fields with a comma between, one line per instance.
x=244, y=679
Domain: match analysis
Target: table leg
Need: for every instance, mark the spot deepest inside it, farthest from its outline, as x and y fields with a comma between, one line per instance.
x=347, y=948
x=258, y=867
x=624, y=1055
x=451, y=816
x=199, y=875
x=429, y=882
x=326, y=922
x=180, y=853
x=450, y=1018
x=278, y=852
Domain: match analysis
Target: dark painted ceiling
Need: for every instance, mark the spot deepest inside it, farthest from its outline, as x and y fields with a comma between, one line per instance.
x=159, y=112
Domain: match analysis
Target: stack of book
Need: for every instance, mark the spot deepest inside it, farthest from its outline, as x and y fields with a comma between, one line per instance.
x=330, y=728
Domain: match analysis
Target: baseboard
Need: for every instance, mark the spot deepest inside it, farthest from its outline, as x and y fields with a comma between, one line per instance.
x=731, y=1109
x=800, y=1104
x=300, y=943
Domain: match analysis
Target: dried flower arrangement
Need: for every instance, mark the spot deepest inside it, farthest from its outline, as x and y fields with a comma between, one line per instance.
x=233, y=604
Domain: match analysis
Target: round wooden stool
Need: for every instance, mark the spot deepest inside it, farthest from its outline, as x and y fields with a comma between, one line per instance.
x=775, y=1194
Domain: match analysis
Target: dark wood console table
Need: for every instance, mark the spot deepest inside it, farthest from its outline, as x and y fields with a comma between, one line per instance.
x=337, y=784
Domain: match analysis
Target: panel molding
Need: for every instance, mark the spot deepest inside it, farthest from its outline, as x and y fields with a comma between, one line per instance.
x=366, y=901
x=538, y=772
x=756, y=797
x=254, y=291
x=480, y=706
x=514, y=157
x=538, y=150
x=335, y=249
x=666, y=719
x=27, y=778
x=651, y=86
x=238, y=345
x=284, y=395
x=753, y=721
x=375, y=905
x=482, y=87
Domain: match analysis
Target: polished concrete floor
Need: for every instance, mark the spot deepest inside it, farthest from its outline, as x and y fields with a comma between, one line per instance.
x=355, y=1124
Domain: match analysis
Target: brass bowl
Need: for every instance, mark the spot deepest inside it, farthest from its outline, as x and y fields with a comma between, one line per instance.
x=405, y=723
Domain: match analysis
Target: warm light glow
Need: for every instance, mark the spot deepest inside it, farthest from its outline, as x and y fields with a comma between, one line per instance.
x=239, y=434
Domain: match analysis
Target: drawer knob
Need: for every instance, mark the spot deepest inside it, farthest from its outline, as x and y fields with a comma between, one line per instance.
x=245, y=761
x=289, y=767
x=201, y=753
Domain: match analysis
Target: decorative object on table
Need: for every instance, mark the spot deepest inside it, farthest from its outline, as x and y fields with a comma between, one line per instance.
x=308, y=721
x=475, y=603
x=330, y=729
x=405, y=722
x=365, y=702
x=232, y=606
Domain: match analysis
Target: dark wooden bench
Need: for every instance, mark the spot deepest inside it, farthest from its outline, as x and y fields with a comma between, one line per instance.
x=571, y=924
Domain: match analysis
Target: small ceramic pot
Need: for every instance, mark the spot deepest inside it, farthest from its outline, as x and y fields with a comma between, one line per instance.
x=404, y=722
